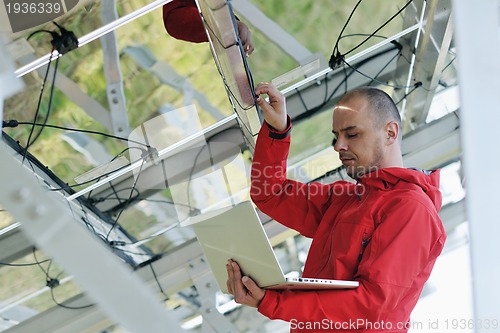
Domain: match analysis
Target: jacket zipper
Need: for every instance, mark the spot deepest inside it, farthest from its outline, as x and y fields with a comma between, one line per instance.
x=364, y=244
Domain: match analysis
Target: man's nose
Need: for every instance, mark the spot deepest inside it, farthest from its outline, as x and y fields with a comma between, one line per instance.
x=339, y=144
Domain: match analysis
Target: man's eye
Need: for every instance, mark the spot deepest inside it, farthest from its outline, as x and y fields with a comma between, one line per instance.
x=350, y=136
x=334, y=141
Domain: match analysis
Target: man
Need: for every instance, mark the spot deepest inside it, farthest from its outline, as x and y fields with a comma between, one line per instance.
x=384, y=231
x=182, y=21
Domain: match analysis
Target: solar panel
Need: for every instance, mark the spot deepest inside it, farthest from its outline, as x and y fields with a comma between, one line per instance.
x=229, y=56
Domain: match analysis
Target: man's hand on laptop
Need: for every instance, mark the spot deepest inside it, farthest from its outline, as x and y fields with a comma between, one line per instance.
x=244, y=289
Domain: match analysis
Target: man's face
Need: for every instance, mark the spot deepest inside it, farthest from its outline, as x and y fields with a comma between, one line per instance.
x=358, y=141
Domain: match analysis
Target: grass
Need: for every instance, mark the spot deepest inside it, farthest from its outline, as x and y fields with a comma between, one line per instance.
x=19, y=282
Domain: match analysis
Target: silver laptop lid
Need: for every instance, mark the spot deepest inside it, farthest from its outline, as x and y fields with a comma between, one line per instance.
x=237, y=233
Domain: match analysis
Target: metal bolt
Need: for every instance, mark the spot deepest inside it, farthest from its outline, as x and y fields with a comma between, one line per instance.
x=38, y=211
x=22, y=194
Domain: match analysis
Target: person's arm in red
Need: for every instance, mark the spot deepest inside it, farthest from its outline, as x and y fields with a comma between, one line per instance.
x=182, y=20
x=297, y=205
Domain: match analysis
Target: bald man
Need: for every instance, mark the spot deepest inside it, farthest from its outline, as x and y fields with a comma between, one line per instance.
x=382, y=231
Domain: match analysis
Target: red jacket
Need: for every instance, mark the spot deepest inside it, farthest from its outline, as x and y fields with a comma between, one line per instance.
x=384, y=232
x=182, y=21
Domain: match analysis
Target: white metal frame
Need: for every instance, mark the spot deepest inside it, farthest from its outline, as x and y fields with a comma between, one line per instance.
x=478, y=68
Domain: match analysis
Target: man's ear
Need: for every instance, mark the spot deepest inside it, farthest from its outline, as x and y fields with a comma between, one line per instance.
x=392, y=132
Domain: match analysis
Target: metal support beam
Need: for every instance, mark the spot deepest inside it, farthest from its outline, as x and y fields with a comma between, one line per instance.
x=479, y=77
x=453, y=215
x=434, y=144
x=429, y=62
x=205, y=284
x=412, y=16
x=113, y=73
x=272, y=31
x=14, y=244
x=9, y=84
x=24, y=54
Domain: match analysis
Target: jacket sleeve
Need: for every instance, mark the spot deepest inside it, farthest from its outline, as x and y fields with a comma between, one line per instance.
x=183, y=21
x=296, y=205
x=391, y=273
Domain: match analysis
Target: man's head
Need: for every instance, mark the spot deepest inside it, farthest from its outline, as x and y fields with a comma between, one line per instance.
x=366, y=125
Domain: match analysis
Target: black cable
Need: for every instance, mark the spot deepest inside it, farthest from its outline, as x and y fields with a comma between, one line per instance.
x=94, y=201
x=128, y=200
x=362, y=35
x=114, y=192
x=68, y=307
x=302, y=99
x=449, y=64
x=91, y=227
x=122, y=202
x=336, y=47
x=310, y=112
x=158, y=282
x=24, y=265
x=345, y=79
x=379, y=82
x=382, y=26
x=49, y=281
x=336, y=57
x=66, y=186
x=14, y=123
x=114, y=158
x=38, y=106
x=137, y=198
x=207, y=142
x=39, y=262
x=115, y=244
x=247, y=69
x=49, y=107
x=383, y=68
x=326, y=89
x=405, y=58
x=52, y=33
x=115, y=247
x=407, y=94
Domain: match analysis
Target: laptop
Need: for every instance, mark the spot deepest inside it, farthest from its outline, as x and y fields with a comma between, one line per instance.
x=237, y=233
